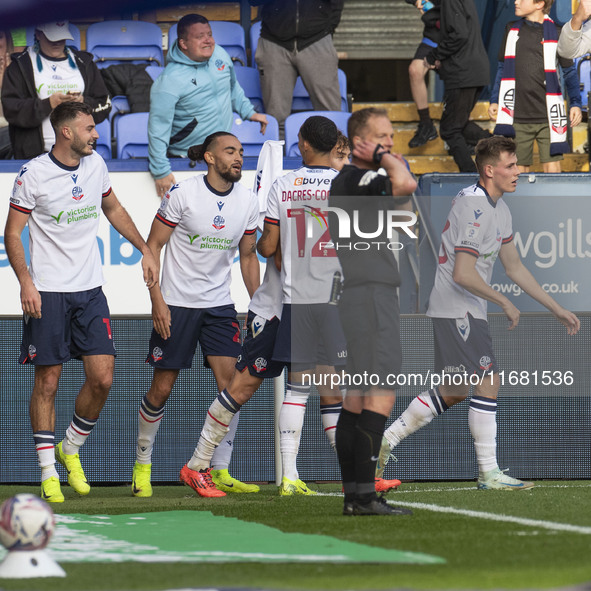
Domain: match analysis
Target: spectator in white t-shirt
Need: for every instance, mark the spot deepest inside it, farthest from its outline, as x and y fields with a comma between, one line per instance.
x=42, y=77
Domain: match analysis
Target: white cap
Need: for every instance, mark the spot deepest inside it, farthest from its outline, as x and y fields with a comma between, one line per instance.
x=56, y=31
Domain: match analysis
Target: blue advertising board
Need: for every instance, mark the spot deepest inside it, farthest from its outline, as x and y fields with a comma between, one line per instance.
x=551, y=228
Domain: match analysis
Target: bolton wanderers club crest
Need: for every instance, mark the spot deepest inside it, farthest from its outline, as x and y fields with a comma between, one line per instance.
x=260, y=364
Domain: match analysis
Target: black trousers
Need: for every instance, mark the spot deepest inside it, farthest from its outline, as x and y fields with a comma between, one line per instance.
x=456, y=129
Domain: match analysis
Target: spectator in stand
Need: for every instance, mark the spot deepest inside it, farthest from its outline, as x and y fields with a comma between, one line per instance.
x=6, y=48
x=41, y=78
x=195, y=96
x=296, y=39
x=463, y=66
x=430, y=15
x=528, y=90
x=575, y=37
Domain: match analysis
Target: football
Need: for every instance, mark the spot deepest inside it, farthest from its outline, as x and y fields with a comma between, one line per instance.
x=26, y=523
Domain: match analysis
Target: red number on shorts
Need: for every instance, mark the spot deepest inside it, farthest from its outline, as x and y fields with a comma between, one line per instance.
x=107, y=321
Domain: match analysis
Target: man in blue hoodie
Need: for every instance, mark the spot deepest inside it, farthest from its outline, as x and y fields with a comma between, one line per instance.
x=194, y=97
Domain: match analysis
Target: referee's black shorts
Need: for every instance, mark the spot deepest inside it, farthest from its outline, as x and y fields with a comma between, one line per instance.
x=370, y=316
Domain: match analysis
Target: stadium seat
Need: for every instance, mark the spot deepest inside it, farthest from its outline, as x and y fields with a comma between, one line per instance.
x=115, y=42
x=249, y=79
x=30, y=32
x=229, y=35
x=131, y=131
x=154, y=71
x=103, y=144
x=255, y=33
x=295, y=120
x=249, y=134
x=301, y=98
x=120, y=104
x=584, y=72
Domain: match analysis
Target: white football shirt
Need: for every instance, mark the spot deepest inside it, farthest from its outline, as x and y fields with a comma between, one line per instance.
x=208, y=226
x=297, y=202
x=479, y=227
x=266, y=301
x=55, y=75
x=64, y=203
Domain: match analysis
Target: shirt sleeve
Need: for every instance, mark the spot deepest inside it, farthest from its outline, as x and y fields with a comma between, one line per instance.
x=272, y=215
x=253, y=215
x=24, y=191
x=572, y=44
x=372, y=183
x=106, y=188
x=162, y=108
x=471, y=227
x=508, y=227
x=170, y=210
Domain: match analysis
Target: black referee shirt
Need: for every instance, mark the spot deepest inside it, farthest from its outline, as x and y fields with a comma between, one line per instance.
x=364, y=260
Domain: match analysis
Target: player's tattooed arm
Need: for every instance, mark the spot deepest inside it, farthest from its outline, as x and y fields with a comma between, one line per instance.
x=249, y=263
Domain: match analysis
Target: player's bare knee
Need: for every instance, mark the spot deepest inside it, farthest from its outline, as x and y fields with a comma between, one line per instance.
x=100, y=384
x=46, y=381
x=416, y=70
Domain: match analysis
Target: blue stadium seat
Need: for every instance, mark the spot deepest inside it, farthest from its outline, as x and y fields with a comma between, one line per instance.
x=30, y=32
x=131, y=131
x=115, y=42
x=103, y=144
x=255, y=33
x=120, y=104
x=229, y=35
x=249, y=134
x=301, y=98
x=295, y=120
x=249, y=79
x=584, y=72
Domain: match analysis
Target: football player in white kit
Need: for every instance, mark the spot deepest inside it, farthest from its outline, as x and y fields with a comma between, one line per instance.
x=60, y=195
x=202, y=221
x=477, y=231
x=264, y=314
x=310, y=334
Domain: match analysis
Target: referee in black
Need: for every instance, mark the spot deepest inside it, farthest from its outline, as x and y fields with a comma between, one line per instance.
x=368, y=306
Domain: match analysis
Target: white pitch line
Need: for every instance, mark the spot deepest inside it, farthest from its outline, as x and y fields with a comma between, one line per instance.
x=551, y=525
x=473, y=488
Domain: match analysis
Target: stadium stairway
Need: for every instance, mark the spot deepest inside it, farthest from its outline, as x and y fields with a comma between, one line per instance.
x=433, y=157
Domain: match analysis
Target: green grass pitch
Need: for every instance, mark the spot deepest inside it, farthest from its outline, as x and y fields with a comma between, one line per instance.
x=490, y=539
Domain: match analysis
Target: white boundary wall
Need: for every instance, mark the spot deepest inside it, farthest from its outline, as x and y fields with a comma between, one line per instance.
x=124, y=285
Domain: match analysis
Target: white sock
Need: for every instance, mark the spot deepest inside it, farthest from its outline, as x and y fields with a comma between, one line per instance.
x=45, y=446
x=420, y=412
x=291, y=420
x=149, y=419
x=77, y=433
x=482, y=420
x=330, y=415
x=223, y=453
x=217, y=424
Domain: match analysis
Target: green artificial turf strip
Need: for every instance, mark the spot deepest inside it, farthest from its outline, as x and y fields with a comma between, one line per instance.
x=479, y=553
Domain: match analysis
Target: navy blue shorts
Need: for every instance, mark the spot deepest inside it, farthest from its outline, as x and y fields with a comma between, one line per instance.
x=215, y=329
x=257, y=349
x=371, y=320
x=310, y=335
x=463, y=346
x=424, y=49
x=71, y=325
